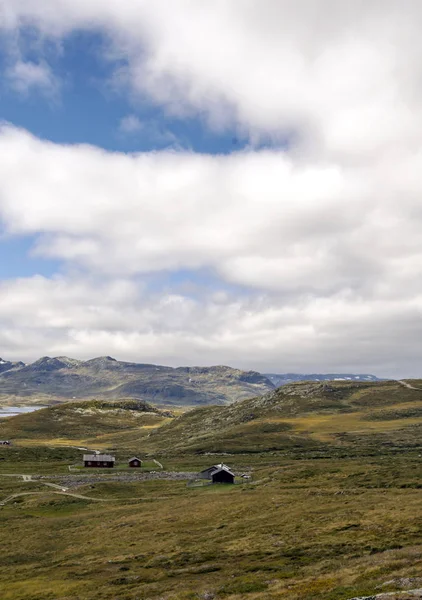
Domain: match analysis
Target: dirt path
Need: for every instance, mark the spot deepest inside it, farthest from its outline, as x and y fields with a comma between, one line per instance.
x=25, y=477
x=408, y=385
x=13, y=496
x=54, y=485
x=28, y=479
x=417, y=594
x=158, y=463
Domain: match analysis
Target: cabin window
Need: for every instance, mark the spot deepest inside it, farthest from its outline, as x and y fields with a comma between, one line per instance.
x=89, y=463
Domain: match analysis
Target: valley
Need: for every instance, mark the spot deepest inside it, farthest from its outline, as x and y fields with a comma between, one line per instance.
x=331, y=510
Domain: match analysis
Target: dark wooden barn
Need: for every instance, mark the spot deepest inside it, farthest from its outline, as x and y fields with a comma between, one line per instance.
x=135, y=462
x=99, y=460
x=222, y=475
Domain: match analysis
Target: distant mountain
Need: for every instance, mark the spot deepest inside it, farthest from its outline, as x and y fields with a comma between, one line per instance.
x=65, y=378
x=6, y=365
x=279, y=379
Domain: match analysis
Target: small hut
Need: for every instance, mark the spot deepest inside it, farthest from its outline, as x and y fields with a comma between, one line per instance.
x=99, y=460
x=222, y=475
x=135, y=462
x=207, y=473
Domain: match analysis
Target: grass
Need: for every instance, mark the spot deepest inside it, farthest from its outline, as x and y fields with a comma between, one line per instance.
x=302, y=530
x=332, y=510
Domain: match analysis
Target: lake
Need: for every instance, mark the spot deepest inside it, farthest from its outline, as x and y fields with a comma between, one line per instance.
x=12, y=411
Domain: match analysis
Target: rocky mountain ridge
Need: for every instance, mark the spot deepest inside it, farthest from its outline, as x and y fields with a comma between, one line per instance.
x=6, y=365
x=65, y=378
x=104, y=377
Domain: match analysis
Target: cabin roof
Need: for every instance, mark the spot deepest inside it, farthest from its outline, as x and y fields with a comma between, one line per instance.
x=214, y=467
x=222, y=468
x=99, y=457
x=134, y=458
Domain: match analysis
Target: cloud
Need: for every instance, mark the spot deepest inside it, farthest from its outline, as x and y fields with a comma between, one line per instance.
x=321, y=241
x=130, y=124
x=24, y=77
x=339, y=80
x=82, y=318
x=254, y=217
x=151, y=131
x=257, y=219
x=327, y=257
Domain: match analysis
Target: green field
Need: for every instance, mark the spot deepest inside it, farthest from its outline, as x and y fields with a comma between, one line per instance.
x=332, y=510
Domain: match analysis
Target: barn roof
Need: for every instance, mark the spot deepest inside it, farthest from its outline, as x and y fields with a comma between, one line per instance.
x=99, y=457
x=134, y=458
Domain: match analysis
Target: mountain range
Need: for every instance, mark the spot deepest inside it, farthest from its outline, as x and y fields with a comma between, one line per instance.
x=63, y=378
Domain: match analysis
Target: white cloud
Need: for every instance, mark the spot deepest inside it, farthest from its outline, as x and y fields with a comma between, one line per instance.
x=83, y=318
x=24, y=77
x=327, y=234
x=333, y=253
x=254, y=217
x=151, y=131
x=130, y=124
x=341, y=78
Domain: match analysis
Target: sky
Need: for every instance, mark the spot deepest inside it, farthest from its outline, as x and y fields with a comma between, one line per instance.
x=214, y=182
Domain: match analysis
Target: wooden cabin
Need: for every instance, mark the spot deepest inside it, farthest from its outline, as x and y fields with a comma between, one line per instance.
x=135, y=462
x=99, y=460
x=5, y=443
x=207, y=473
x=222, y=475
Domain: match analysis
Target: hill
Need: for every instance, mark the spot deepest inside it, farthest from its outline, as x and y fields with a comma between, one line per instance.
x=330, y=511
x=318, y=417
x=65, y=378
x=89, y=419
x=279, y=379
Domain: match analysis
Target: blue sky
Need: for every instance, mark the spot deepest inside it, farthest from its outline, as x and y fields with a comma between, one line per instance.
x=214, y=182
x=89, y=108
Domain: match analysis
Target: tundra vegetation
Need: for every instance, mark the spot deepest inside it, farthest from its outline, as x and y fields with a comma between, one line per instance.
x=332, y=510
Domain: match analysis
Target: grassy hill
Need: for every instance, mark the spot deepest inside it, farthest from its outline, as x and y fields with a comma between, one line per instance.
x=83, y=420
x=348, y=417
x=319, y=418
x=332, y=511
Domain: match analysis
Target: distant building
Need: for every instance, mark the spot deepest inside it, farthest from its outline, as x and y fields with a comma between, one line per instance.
x=217, y=474
x=5, y=443
x=99, y=460
x=222, y=475
x=206, y=473
x=135, y=462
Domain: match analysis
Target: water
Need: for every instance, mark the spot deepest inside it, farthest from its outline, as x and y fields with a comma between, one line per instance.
x=12, y=411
